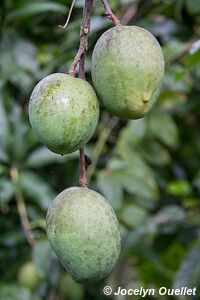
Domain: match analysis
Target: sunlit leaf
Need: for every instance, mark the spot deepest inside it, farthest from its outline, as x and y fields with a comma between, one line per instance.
x=179, y=188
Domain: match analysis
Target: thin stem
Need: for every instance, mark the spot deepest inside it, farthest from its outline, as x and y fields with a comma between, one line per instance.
x=81, y=71
x=84, y=31
x=21, y=207
x=109, y=14
x=76, y=60
x=82, y=175
x=69, y=15
x=80, y=59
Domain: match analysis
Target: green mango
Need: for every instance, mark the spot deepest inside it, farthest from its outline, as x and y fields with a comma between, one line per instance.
x=29, y=276
x=83, y=231
x=127, y=71
x=63, y=112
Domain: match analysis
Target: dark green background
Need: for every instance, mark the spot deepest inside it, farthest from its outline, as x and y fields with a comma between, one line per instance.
x=148, y=169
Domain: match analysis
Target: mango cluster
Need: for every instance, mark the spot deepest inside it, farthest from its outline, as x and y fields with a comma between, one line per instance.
x=127, y=73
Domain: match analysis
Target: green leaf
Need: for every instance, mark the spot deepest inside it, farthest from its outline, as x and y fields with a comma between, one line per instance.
x=133, y=215
x=42, y=256
x=133, y=132
x=12, y=237
x=189, y=270
x=177, y=79
x=164, y=221
x=132, y=175
x=14, y=292
x=163, y=127
x=139, y=183
x=43, y=156
x=18, y=65
x=35, y=8
x=180, y=188
x=196, y=180
x=110, y=186
x=4, y=128
x=7, y=190
x=18, y=145
x=135, y=176
x=3, y=155
x=155, y=153
x=169, y=218
x=193, y=7
x=172, y=50
x=3, y=169
x=192, y=60
x=149, y=253
x=36, y=188
x=147, y=229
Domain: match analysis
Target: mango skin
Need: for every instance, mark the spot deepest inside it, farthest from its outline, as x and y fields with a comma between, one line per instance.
x=127, y=71
x=83, y=231
x=63, y=112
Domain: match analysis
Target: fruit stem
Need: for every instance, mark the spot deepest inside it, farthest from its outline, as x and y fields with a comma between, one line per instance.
x=109, y=14
x=83, y=175
x=80, y=59
x=83, y=46
x=21, y=207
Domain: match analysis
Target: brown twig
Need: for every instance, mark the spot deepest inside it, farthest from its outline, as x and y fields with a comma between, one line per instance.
x=82, y=175
x=109, y=14
x=80, y=59
x=21, y=207
x=84, y=31
x=76, y=60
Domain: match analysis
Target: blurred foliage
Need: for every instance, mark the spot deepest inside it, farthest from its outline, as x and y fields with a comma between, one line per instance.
x=148, y=169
